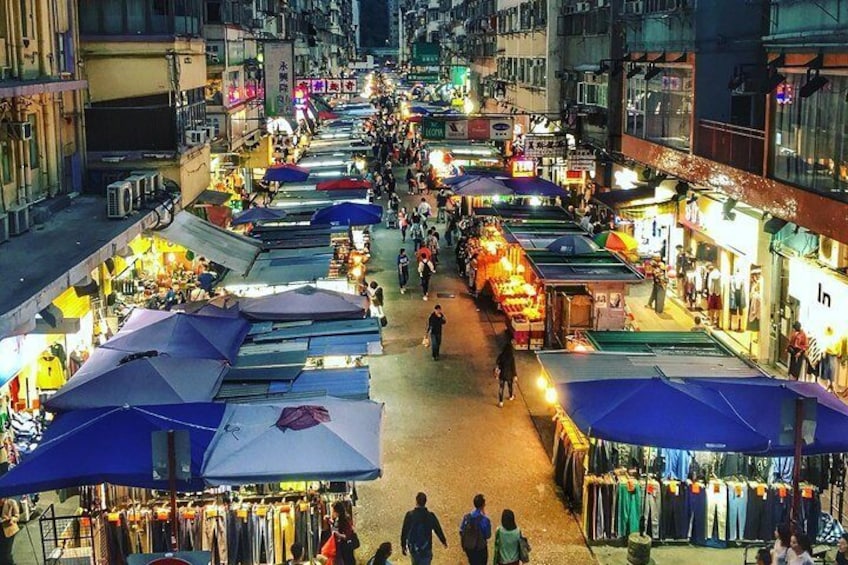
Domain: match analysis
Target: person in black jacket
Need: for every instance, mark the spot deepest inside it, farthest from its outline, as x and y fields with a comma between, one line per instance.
x=434, y=329
x=416, y=536
x=505, y=371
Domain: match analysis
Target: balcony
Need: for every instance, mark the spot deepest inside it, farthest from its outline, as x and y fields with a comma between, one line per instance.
x=739, y=147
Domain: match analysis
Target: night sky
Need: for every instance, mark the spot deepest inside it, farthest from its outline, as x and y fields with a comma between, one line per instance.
x=373, y=19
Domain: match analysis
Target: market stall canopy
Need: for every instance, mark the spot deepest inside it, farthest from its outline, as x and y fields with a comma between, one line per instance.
x=482, y=186
x=259, y=214
x=283, y=267
x=534, y=186
x=351, y=383
x=222, y=306
x=350, y=183
x=639, y=196
x=616, y=241
x=349, y=213
x=523, y=213
x=461, y=179
x=224, y=247
x=572, y=245
x=301, y=440
x=539, y=235
x=180, y=335
x=326, y=115
x=112, y=445
x=305, y=303
x=114, y=378
x=553, y=268
x=285, y=173
x=685, y=344
x=213, y=197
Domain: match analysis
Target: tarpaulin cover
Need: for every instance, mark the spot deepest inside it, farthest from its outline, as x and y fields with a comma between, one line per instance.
x=275, y=332
x=305, y=303
x=305, y=416
x=249, y=448
x=112, y=445
x=534, y=186
x=181, y=335
x=259, y=214
x=353, y=383
x=285, y=173
x=224, y=247
x=573, y=245
x=483, y=186
x=104, y=380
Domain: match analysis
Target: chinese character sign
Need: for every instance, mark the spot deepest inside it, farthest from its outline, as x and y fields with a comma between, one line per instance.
x=279, y=78
x=537, y=145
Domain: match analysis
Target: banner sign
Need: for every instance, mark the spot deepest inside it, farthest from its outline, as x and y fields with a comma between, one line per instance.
x=425, y=54
x=540, y=145
x=523, y=168
x=472, y=129
x=328, y=85
x=581, y=160
x=426, y=78
x=279, y=78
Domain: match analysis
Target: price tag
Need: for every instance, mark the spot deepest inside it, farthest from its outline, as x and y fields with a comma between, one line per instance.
x=807, y=493
x=163, y=515
x=650, y=487
x=696, y=488
x=630, y=486
x=716, y=488
x=114, y=517
x=262, y=511
x=189, y=514
x=781, y=492
x=133, y=517
x=211, y=512
x=761, y=490
x=738, y=490
x=241, y=513
x=673, y=488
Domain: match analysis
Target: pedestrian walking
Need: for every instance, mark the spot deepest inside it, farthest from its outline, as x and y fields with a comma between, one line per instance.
x=10, y=514
x=403, y=223
x=425, y=272
x=435, y=323
x=432, y=243
x=424, y=210
x=416, y=233
x=381, y=557
x=509, y=543
x=505, y=371
x=660, y=282
x=347, y=542
x=403, y=269
x=416, y=535
x=797, y=349
x=474, y=533
x=376, y=296
x=441, y=205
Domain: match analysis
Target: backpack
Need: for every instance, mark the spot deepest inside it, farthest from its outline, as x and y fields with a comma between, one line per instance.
x=472, y=535
x=420, y=539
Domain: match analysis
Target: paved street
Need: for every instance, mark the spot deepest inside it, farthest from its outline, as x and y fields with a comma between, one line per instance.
x=444, y=433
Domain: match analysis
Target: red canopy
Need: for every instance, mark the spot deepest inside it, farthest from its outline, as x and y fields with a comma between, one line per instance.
x=343, y=184
x=324, y=115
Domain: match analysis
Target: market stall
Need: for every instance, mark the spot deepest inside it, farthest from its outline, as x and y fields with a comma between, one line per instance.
x=622, y=460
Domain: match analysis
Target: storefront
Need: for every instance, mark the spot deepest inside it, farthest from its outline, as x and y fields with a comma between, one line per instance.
x=722, y=269
x=817, y=297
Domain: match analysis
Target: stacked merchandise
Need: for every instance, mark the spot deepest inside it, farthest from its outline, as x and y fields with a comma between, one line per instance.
x=705, y=498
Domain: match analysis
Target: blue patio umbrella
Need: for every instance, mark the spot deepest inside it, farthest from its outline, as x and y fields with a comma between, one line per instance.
x=461, y=179
x=349, y=214
x=258, y=214
x=573, y=245
x=285, y=173
x=115, y=378
x=534, y=186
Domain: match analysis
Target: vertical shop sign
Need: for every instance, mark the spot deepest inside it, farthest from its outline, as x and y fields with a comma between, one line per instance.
x=279, y=78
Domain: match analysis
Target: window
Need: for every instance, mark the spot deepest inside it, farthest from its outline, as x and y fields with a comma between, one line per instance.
x=25, y=18
x=5, y=162
x=33, y=142
x=660, y=110
x=811, y=136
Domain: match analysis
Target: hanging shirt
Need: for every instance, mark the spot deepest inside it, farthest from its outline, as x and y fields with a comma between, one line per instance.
x=50, y=374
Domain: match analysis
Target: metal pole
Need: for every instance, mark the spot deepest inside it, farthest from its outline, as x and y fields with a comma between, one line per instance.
x=172, y=484
x=796, y=471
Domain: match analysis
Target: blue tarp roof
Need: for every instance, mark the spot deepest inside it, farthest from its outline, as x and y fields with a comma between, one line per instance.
x=343, y=383
x=269, y=331
x=305, y=303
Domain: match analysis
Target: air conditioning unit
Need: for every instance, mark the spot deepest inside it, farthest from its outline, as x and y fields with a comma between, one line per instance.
x=153, y=183
x=195, y=137
x=138, y=189
x=4, y=228
x=581, y=7
x=833, y=253
x=19, y=221
x=119, y=200
x=634, y=7
x=20, y=130
x=210, y=131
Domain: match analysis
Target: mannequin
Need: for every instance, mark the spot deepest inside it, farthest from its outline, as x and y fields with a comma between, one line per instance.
x=737, y=300
x=754, y=304
x=830, y=359
x=714, y=302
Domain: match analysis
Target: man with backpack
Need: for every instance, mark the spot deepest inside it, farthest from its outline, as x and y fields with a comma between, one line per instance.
x=475, y=531
x=419, y=524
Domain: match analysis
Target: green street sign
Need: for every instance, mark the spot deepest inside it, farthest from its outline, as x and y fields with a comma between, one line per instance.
x=459, y=75
x=432, y=128
x=426, y=78
x=425, y=54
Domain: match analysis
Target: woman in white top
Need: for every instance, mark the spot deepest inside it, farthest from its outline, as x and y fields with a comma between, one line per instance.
x=802, y=549
x=780, y=553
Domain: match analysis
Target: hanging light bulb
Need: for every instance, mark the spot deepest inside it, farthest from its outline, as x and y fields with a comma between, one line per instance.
x=551, y=395
x=542, y=382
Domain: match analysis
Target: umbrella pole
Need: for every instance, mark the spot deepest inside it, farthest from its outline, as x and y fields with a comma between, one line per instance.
x=172, y=485
x=796, y=470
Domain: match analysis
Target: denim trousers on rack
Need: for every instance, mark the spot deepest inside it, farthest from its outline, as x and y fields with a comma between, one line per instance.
x=674, y=522
x=263, y=536
x=757, y=523
x=737, y=510
x=117, y=542
x=215, y=538
x=779, y=506
x=697, y=514
x=717, y=510
x=652, y=508
x=160, y=533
